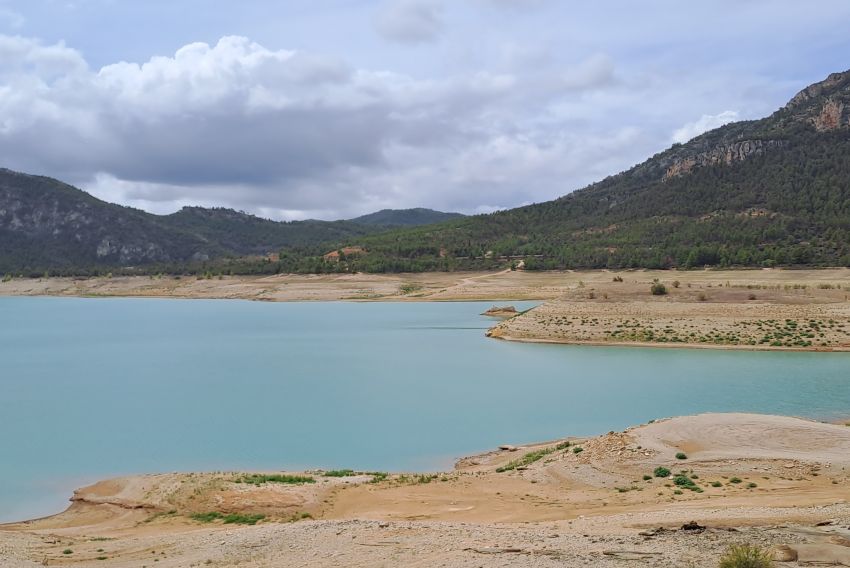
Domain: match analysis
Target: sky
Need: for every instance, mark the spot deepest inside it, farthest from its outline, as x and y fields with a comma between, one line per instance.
x=329, y=109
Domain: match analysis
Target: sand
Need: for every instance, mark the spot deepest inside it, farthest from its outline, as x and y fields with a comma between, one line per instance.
x=593, y=507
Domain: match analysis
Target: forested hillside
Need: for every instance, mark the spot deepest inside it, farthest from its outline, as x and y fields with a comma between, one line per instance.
x=769, y=192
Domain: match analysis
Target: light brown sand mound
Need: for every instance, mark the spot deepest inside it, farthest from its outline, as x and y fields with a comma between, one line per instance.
x=746, y=436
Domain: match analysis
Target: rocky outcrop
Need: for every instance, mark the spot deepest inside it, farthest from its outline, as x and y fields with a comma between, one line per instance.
x=834, y=115
x=725, y=154
x=501, y=312
x=834, y=81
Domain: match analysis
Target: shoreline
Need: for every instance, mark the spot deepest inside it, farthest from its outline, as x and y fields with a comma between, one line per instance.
x=770, y=480
x=578, y=343
x=706, y=309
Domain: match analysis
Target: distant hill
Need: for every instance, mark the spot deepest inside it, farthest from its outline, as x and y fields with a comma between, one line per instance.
x=768, y=192
x=405, y=217
x=48, y=225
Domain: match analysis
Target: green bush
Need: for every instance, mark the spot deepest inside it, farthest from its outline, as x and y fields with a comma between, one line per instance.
x=681, y=456
x=340, y=473
x=658, y=289
x=259, y=479
x=746, y=556
x=229, y=518
x=661, y=471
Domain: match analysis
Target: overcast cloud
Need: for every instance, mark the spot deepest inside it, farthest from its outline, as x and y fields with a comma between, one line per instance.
x=342, y=108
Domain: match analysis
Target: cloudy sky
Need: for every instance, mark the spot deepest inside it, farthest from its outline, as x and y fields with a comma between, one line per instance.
x=333, y=108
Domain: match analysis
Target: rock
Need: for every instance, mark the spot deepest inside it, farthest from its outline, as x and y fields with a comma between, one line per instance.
x=507, y=448
x=693, y=527
x=784, y=553
x=501, y=311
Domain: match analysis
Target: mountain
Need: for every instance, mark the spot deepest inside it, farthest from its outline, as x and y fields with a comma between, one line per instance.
x=774, y=191
x=405, y=217
x=48, y=225
x=768, y=192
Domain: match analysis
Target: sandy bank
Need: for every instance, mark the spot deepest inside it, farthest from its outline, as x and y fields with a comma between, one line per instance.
x=788, y=311
x=749, y=478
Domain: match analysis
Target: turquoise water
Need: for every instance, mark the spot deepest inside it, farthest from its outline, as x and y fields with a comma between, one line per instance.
x=91, y=388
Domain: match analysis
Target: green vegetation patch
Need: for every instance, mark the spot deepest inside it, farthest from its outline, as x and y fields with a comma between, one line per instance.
x=746, y=556
x=340, y=473
x=259, y=479
x=534, y=456
x=661, y=471
x=227, y=518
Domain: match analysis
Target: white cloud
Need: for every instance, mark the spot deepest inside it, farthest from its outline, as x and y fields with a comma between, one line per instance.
x=294, y=134
x=705, y=123
x=275, y=131
x=410, y=21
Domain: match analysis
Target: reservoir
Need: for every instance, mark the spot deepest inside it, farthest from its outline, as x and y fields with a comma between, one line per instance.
x=95, y=388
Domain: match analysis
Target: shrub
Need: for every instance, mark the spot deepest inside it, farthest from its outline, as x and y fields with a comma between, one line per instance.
x=658, y=289
x=340, y=473
x=259, y=479
x=702, y=297
x=751, y=297
x=746, y=556
x=661, y=471
x=647, y=477
x=735, y=480
x=229, y=519
x=681, y=456
x=578, y=450
x=378, y=476
x=618, y=279
x=676, y=284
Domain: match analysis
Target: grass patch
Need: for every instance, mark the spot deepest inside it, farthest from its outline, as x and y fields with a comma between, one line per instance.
x=340, y=473
x=227, y=518
x=259, y=479
x=534, y=456
x=378, y=476
x=686, y=482
x=746, y=556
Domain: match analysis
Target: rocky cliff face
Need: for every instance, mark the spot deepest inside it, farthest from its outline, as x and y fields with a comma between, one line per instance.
x=824, y=106
x=726, y=154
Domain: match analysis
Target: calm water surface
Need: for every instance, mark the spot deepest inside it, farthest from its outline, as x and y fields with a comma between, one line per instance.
x=91, y=388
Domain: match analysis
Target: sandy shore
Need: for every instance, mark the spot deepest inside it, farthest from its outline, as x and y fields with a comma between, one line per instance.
x=774, y=481
x=747, y=309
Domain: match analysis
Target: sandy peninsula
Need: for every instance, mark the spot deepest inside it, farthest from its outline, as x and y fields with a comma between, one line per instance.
x=749, y=309
x=672, y=493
